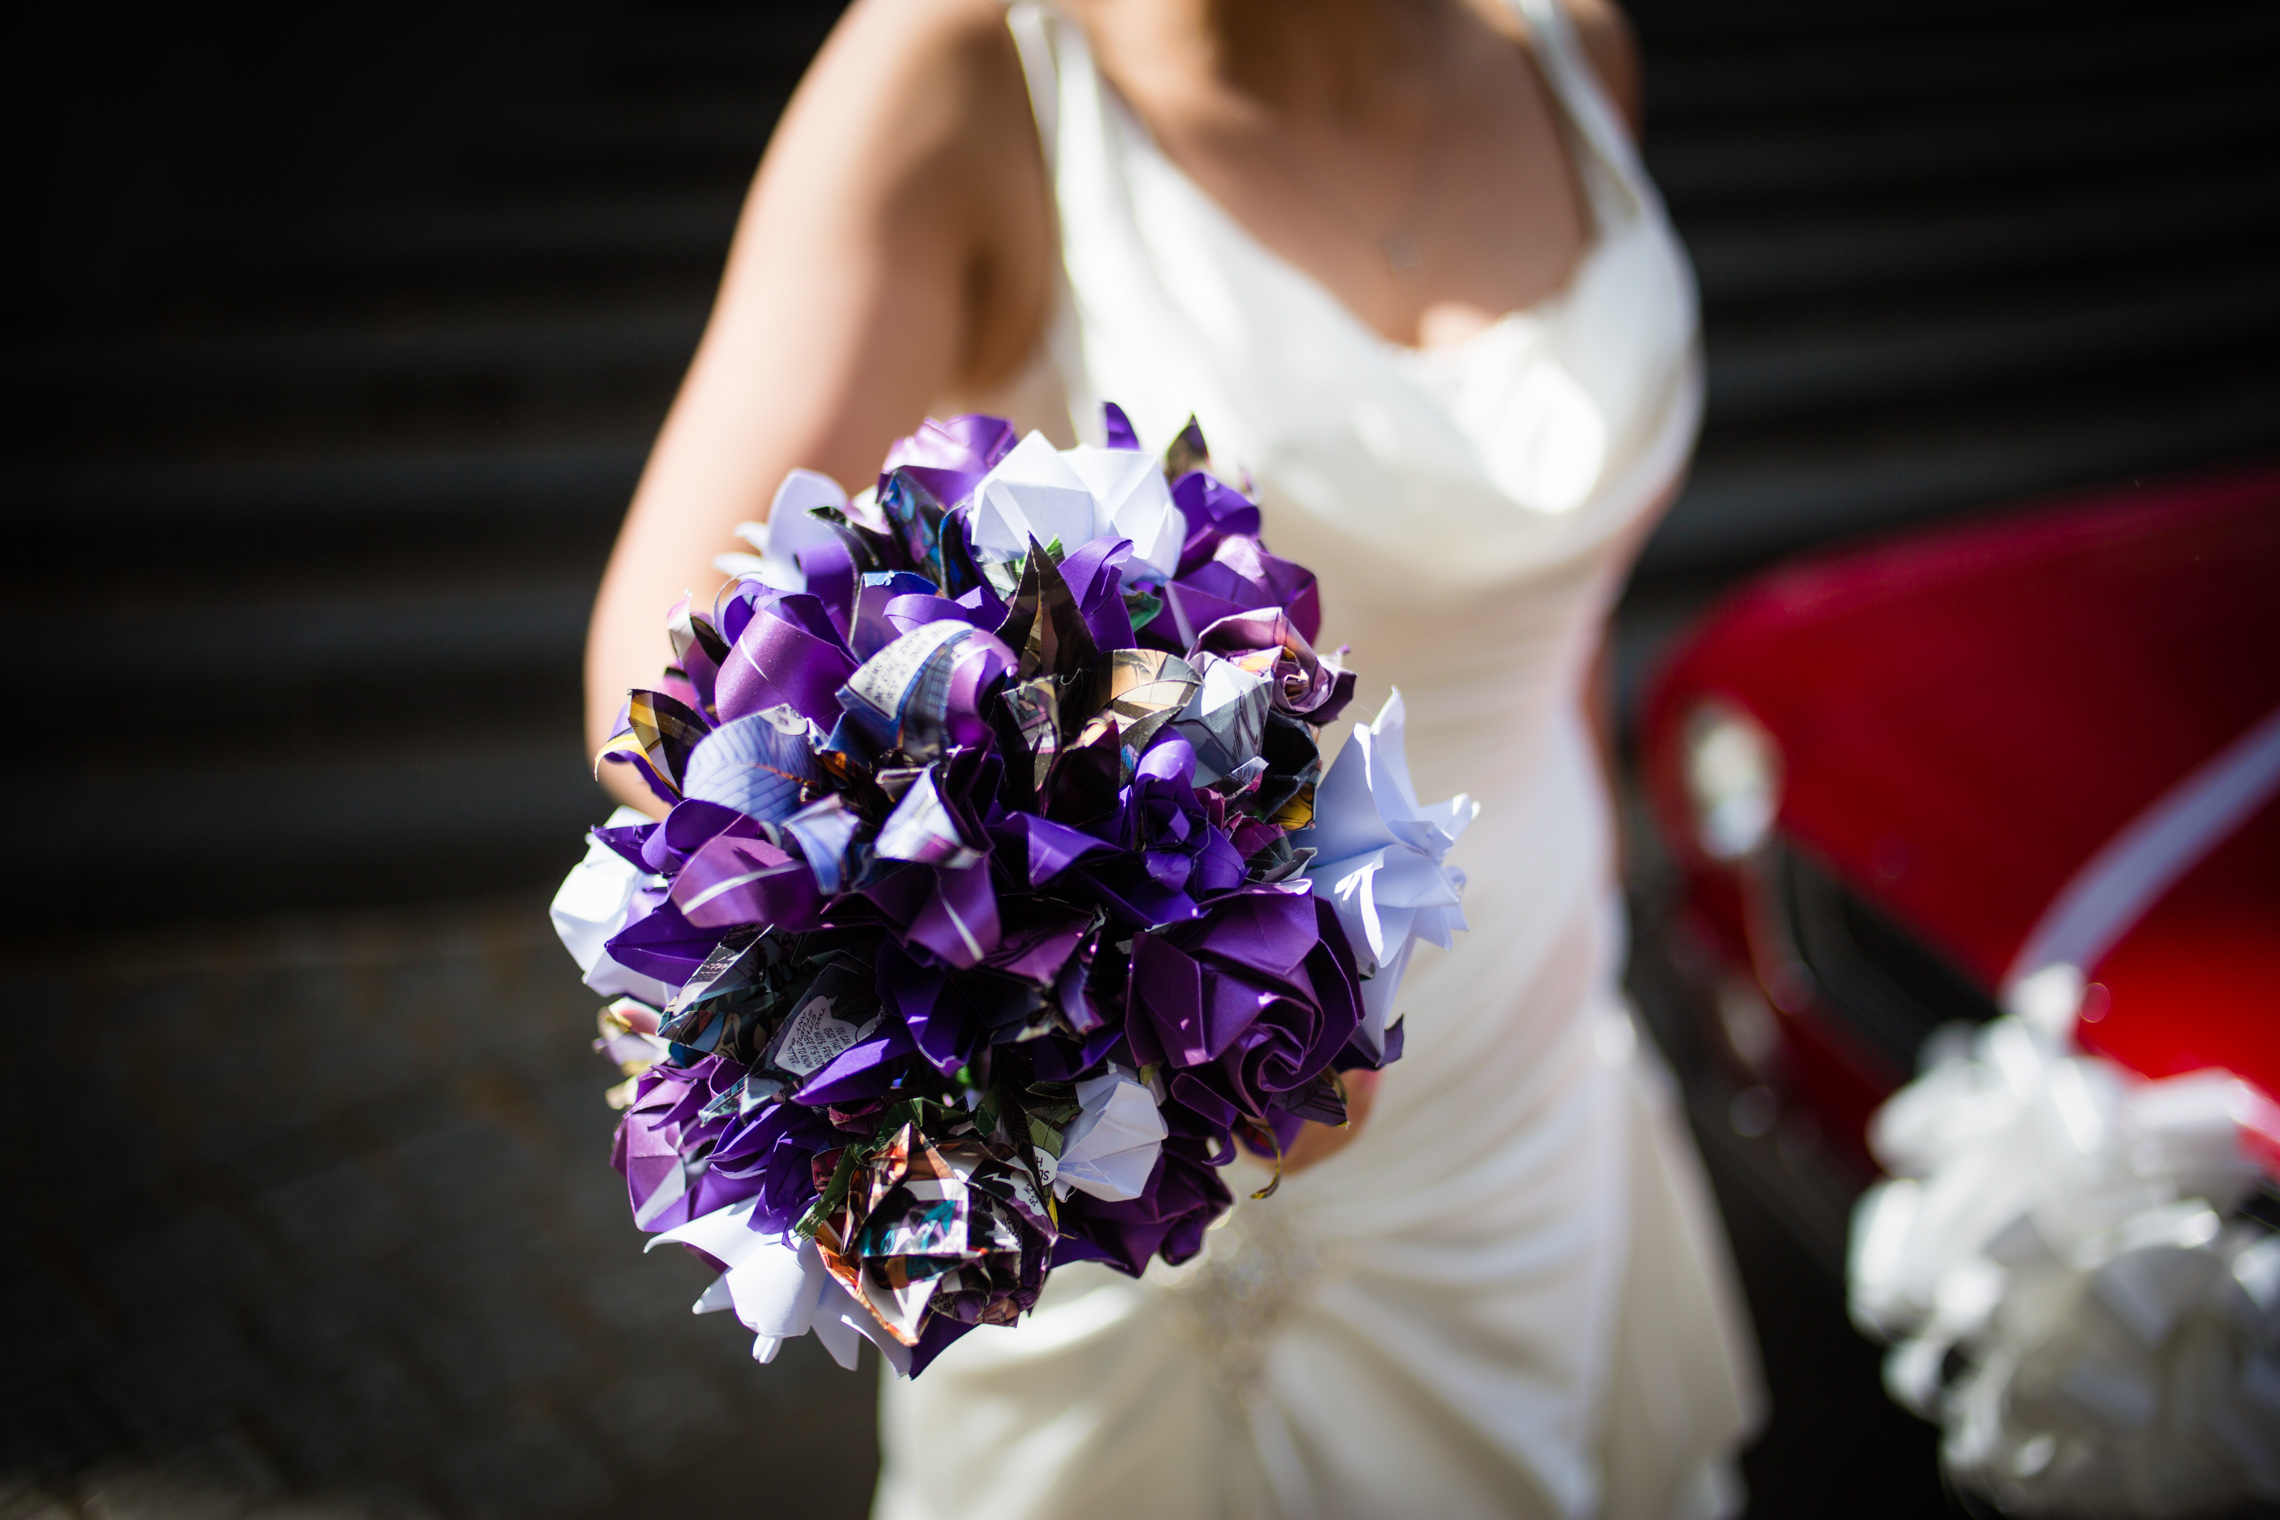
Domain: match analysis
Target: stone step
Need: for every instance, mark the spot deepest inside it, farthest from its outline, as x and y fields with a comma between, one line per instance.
x=1710, y=166
x=1803, y=251
x=564, y=374
x=1805, y=364
x=1756, y=495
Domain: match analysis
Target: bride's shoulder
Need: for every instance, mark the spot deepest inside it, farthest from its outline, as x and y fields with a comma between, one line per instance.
x=914, y=99
x=937, y=60
x=908, y=156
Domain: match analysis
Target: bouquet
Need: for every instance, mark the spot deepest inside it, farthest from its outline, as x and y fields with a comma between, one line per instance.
x=1002, y=894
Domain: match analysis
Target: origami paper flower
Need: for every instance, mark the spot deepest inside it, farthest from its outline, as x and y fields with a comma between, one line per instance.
x=1379, y=861
x=1110, y=1150
x=1241, y=576
x=596, y=900
x=1267, y=643
x=1073, y=497
x=777, y=1284
x=784, y=651
x=1210, y=513
x=1247, y=1005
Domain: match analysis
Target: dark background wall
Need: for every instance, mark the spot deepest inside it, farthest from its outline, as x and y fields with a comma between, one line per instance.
x=340, y=337
x=334, y=344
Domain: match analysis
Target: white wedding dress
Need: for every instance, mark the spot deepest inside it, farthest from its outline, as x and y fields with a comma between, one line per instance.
x=1510, y=1296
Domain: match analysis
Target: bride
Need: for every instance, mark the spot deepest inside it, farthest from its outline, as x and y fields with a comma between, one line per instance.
x=1400, y=259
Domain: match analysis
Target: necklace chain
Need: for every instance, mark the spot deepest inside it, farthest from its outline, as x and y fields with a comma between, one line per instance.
x=1397, y=244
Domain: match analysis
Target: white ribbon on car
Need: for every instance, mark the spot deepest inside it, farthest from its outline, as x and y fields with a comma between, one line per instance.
x=2114, y=888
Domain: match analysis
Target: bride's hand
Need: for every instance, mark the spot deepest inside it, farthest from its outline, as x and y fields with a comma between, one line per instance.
x=1319, y=1142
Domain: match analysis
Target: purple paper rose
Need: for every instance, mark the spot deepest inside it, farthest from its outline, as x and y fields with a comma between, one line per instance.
x=1267, y=642
x=1245, y=1006
x=1241, y=576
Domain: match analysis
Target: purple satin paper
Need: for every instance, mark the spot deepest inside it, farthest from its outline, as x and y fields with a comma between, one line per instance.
x=1214, y=513
x=1095, y=575
x=1247, y=1002
x=1167, y=1220
x=734, y=880
x=1241, y=576
x=1117, y=427
x=784, y=656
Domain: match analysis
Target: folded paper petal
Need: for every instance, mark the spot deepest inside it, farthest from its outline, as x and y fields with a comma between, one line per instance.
x=597, y=897
x=734, y=881
x=1032, y=493
x=1132, y=502
x=1380, y=861
x=791, y=535
x=1110, y=1150
x=756, y=765
x=787, y=654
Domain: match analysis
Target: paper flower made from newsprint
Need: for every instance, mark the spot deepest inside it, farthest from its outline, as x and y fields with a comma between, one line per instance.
x=2066, y=1281
x=999, y=895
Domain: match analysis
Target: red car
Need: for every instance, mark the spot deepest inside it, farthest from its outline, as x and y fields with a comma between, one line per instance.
x=1900, y=778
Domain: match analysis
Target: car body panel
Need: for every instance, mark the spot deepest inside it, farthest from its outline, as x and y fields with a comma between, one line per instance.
x=1965, y=717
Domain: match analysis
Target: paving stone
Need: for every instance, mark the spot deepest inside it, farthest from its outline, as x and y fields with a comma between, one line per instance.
x=177, y=1380
x=181, y=1262
x=334, y=1218
x=23, y=1498
x=217, y=1479
x=532, y=1467
x=46, y=1329
x=379, y=1248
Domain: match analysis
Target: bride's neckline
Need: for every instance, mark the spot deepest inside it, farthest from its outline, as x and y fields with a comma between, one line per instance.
x=1575, y=142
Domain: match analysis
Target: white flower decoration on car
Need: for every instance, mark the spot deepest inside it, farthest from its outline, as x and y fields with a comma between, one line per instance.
x=2060, y=1279
x=1379, y=860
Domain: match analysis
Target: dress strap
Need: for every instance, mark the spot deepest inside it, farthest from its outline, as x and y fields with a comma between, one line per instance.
x=1584, y=98
x=1030, y=22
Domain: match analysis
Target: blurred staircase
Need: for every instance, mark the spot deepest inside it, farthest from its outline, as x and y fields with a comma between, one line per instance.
x=307, y=511
x=1954, y=253
x=310, y=517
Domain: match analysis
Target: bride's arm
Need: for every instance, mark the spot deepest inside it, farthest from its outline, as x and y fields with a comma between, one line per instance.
x=895, y=244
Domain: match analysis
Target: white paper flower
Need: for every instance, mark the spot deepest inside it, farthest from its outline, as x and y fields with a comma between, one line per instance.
x=593, y=903
x=1111, y=1147
x=2057, y=1276
x=1077, y=495
x=1379, y=860
x=779, y=1289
